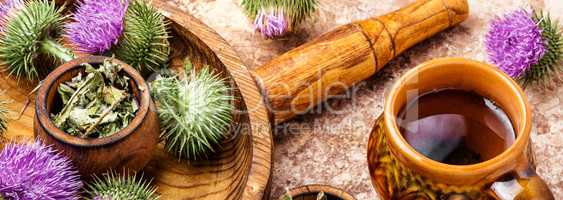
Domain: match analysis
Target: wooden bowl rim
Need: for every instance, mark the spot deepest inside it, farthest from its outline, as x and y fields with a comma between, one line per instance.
x=312, y=188
x=259, y=174
x=45, y=120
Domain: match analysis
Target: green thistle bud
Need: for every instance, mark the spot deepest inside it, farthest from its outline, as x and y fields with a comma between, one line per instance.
x=145, y=43
x=113, y=186
x=550, y=63
x=31, y=36
x=195, y=111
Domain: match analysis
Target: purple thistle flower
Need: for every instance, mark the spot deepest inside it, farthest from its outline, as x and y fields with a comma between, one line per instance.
x=514, y=43
x=271, y=23
x=5, y=8
x=34, y=171
x=97, y=24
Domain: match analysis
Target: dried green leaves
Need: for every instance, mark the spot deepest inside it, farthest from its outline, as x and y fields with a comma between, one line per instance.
x=320, y=196
x=97, y=104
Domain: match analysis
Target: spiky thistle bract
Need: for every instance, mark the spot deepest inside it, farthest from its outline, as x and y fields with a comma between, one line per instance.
x=550, y=63
x=35, y=171
x=6, y=7
x=274, y=18
x=113, y=186
x=195, y=111
x=145, y=43
x=31, y=36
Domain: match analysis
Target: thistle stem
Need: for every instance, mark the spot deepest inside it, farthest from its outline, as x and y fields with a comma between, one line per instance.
x=56, y=50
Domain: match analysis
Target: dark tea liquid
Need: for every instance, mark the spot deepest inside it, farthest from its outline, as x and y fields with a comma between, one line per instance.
x=456, y=127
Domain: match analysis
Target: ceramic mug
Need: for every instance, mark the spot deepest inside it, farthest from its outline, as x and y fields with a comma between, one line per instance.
x=398, y=171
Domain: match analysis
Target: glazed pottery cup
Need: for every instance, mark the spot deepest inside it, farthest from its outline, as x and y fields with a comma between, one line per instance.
x=398, y=171
x=130, y=148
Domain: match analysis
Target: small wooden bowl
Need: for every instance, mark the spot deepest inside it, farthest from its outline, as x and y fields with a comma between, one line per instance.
x=310, y=192
x=130, y=148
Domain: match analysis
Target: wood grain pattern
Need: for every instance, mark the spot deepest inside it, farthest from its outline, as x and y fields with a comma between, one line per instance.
x=303, y=77
x=241, y=169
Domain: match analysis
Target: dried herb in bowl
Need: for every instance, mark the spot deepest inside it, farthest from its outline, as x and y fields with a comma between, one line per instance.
x=97, y=104
x=319, y=196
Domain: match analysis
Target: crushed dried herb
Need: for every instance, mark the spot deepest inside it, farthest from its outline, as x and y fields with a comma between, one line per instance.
x=320, y=196
x=97, y=104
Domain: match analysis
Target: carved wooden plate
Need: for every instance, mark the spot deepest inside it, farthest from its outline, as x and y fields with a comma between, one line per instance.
x=241, y=169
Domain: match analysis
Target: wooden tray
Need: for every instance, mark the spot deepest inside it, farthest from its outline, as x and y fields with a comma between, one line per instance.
x=241, y=170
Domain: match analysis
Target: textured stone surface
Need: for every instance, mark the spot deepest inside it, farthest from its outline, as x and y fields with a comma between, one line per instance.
x=330, y=147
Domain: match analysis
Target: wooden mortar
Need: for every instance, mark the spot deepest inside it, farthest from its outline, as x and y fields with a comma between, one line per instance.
x=130, y=148
x=309, y=74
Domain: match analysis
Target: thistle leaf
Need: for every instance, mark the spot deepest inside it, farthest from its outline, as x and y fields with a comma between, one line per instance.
x=194, y=111
x=145, y=43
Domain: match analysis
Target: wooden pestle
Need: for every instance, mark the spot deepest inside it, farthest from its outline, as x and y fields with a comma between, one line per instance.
x=328, y=65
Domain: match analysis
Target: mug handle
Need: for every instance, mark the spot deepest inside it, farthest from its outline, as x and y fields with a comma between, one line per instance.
x=524, y=184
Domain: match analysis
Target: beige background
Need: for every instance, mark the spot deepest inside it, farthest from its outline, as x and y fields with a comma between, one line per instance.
x=330, y=147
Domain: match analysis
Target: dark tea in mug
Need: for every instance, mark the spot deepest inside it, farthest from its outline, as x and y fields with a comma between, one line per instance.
x=455, y=127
